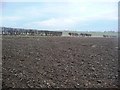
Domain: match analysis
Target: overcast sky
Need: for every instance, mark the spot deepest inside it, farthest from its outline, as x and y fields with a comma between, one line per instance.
x=76, y=15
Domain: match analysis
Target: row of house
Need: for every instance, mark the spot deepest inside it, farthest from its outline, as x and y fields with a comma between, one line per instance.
x=18, y=31
x=33, y=32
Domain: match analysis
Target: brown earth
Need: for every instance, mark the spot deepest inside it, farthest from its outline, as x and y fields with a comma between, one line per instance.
x=59, y=62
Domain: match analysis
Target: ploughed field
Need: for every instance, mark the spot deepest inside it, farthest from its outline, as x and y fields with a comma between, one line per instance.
x=59, y=62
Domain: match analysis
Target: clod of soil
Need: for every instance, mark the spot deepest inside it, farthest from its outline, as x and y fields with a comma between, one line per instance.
x=59, y=62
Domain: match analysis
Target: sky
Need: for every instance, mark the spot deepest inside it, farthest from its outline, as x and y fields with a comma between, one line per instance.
x=72, y=15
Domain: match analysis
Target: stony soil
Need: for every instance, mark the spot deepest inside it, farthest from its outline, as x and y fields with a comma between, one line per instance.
x=59, y=62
